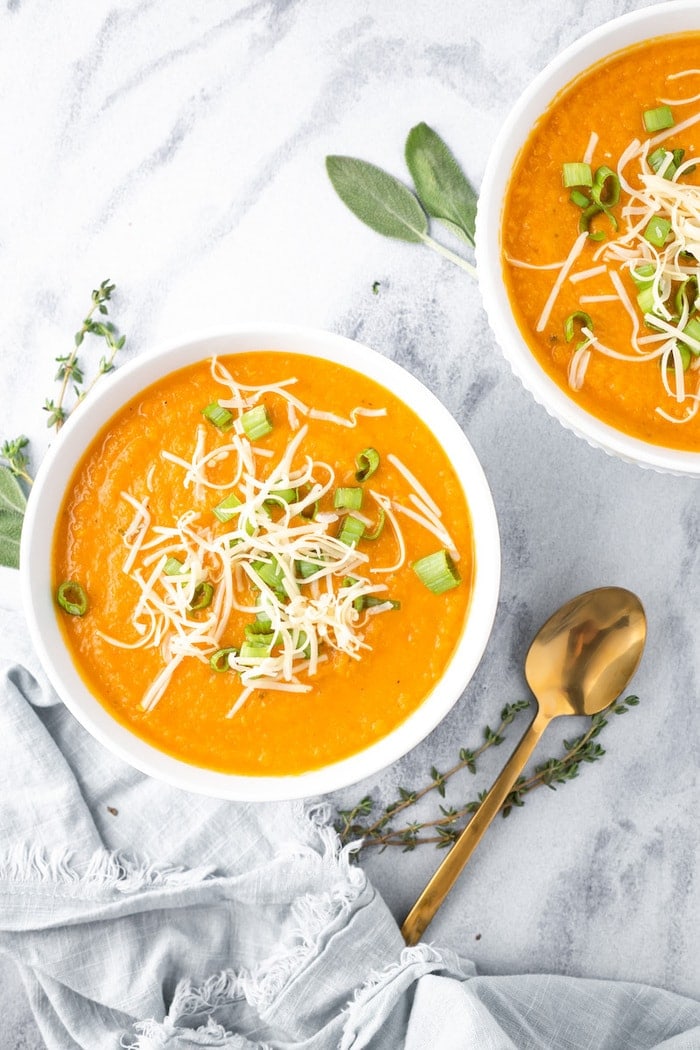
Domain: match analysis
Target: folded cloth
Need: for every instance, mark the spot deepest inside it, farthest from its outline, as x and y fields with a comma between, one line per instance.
x=144, y=917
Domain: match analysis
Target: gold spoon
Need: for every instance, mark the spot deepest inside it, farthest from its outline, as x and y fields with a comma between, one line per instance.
x=580, y=661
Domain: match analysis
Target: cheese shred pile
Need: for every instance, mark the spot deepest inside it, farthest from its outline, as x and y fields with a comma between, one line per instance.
x=652, y=264
x=256, y=547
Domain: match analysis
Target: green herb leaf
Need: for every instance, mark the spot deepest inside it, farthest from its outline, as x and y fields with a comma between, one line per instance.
x=377, y=198
x=12, y=499
x=10, y=532
x=442, y=187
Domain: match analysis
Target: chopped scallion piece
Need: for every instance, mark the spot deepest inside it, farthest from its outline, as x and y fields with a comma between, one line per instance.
x=658, y=119
x=221, y=418
x=270, y=572
x=258, y=637
x=256, y=422
x=347, y=498
x=72, y=598
x=218, y=661
x=646, y=300
x=579, y=199
x=606, y=187
x=370, y=601
x=437, y=571
x=251, y=651
x=202, y=597
x=307, y=568
x=351, y=530
x=228, y=507
x=283, y=496
x=693, y=330
x=657, y=159
x=367, y=463
x=581, y=318
x=173, y=567
x=685, y=358
x=657, y=231
x=643, y=276
x=576, y=174
x=378, y=528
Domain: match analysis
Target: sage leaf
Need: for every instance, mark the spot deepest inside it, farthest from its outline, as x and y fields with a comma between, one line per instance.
x=12, y=499
x=440, y=183
x=10, y=532
x=377, y=198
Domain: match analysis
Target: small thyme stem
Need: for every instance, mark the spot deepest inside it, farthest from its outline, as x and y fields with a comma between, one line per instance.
x=554, y=771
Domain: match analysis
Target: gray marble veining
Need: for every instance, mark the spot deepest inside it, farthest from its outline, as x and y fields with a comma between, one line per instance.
x=179, y=150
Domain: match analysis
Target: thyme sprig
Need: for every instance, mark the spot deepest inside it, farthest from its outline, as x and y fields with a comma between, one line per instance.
x=14, y=461
x=14, y=458
x=443, y=830
x=70, y=370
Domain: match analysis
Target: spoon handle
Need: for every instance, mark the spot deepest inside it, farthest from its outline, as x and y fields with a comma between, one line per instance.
x=423, y=911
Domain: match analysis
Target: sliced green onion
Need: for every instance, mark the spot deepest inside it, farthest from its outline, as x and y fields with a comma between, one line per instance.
x=579, y=199
x=270, y=572
x=220, y=417
x=283, y=496
x=579, y=317
x=72, y=598
x=658, y=119
x=657, y=159
x=228, y=507
x=576, y=174
x=202, y=597
x=256, y=422
x=351, y=530
x=347, y=498
x=606, y=187
x=370, y=601
x=693, y=330
x=263, y=620
x=378, y=528
x=657, y=231
x=584, y=223
x=685, y=358
x=437, y=571
x=643, y=276
x=646, y=300
x=173, y=567
x=258, y=637
x=249, y=650
x=305, y=568
x=367, y=463
x=218, y=661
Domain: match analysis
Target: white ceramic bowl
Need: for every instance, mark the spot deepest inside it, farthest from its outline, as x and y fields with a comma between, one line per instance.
x=660, y=20
x=47, y=496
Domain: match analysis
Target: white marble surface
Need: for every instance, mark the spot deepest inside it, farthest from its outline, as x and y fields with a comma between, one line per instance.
x=178, y=148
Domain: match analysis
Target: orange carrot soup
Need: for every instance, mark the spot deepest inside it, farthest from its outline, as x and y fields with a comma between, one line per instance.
x=263, y=564
x=601, y=241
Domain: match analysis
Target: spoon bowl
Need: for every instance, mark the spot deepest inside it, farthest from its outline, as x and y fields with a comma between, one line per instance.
x=584, y=655
x=579, y=662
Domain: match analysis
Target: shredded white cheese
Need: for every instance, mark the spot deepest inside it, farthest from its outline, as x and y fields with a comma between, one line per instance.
x=267, y=559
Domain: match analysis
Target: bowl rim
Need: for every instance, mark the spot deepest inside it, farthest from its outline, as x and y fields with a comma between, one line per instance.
x=47, y=495
x=667, y=19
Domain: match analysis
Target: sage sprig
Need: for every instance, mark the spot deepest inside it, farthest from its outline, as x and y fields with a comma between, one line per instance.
x=15, y=461
x=385, y=204
x=443, y=829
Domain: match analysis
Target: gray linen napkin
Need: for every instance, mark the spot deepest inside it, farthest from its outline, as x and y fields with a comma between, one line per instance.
x=144, y=917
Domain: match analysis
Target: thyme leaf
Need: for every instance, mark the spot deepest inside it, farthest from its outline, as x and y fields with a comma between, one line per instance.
x=443, y=830
x=71, y=375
